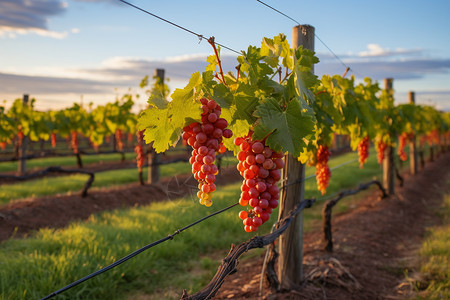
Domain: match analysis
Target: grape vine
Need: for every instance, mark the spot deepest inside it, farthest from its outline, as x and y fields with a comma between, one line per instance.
x=271, y=115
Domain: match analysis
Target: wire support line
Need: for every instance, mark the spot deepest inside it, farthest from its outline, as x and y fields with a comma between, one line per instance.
x=314, y=175
x=281, y=13
x=133, y=254
x=199, y=36
x=298, y=23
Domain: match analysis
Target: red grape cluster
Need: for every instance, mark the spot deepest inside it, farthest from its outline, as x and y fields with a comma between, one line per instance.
x=363, y=151
x=53, y=139
x=434, y=137
x=401, y=146
x=118, y=136
x=323, y=172
x=381, y=147
x=20, y=137
x=74, y=142
x=206, y=139
x=261, y=168
x=139, y=149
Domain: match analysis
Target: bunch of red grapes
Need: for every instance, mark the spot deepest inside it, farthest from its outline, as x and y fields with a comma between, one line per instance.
x=206, y=139
x=20, y=137
x=139, y=149
x=74, y=142
x=434, y=137
x=381, y=147
x=118, y=137
x=401, y=146
x=323, y=172
x=53, y=139
x=261, y=168
x=363, y=151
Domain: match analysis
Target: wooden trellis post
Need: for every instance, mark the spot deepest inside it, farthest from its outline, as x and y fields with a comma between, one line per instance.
x=388, y=161
x=22, y=163
x=412, y=144
x=290, y=264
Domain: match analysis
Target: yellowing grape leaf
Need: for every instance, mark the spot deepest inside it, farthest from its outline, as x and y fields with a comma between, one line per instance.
x=163, y=126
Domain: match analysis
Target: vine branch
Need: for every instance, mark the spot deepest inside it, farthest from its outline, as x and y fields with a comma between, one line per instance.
x=230, y=262
x=87, y=185
x=219, y=63
x=328, y=206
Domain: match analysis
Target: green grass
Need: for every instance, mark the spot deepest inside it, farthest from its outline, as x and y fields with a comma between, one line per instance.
x=36, y=266
x=65, y=161
x=33, y=267
x=435, y=258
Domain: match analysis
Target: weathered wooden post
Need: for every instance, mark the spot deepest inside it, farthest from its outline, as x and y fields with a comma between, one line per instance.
x=290, y=265
x=412, y=143
x=388, y=161
x=154, y=158
x=22, y=163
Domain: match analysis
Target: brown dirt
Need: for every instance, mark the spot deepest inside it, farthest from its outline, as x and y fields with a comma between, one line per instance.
x=375, y=243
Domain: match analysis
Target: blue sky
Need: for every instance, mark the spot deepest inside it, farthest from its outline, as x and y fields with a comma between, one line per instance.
x=62, y=51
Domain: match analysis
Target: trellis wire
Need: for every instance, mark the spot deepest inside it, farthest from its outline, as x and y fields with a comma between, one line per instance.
x=200, y=36
x=323, y=43
x=313, y=175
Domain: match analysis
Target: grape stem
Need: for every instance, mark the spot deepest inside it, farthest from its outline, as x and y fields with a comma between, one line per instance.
x=238, y=69
x=285, y=76
x=219, y=63
x=275, y=73
x=321, y=92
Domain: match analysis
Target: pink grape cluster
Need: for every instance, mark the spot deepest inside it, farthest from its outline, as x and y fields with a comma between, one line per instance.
x=323, y=172
x=261, y=168
x=206, y=139
x=381, y=147
x=402, y=139
x=363, y=151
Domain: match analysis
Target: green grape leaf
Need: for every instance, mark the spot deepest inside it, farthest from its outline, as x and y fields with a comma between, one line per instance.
x=188, y=91
x=285, y=130
x=218, y=92
x=158, y=128
x=239, y=128
x=212, y=63
x=304, y=80
x=163, y=126
x=158, y=101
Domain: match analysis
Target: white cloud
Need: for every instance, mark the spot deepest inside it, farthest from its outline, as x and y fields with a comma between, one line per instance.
x=375, y=50
x=10, y=32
